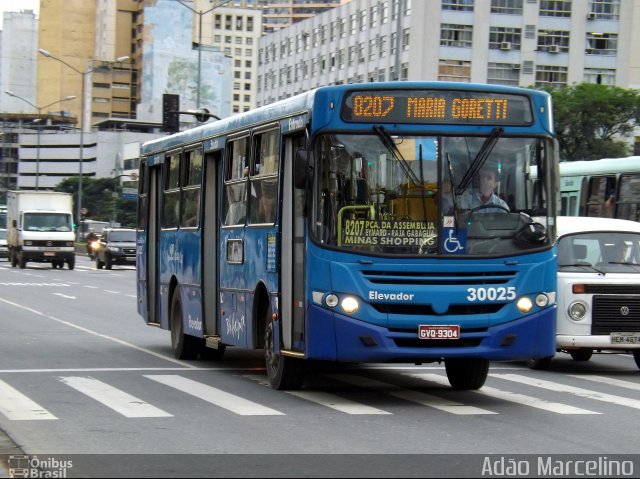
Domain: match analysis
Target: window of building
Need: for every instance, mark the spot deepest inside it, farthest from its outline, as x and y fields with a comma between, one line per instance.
x=239, y=22
x=553, y=41
x=406, y=39
x=601, y=43
x=503, y=74
x=373, y=16
x=454, y=70
x=601, y=76
x=458, y=5
x=550, y=75
x=363, y=20
x=384, y=17
x=506, y=7
x=453, y=35
x=606, y=9
x=500, y=36
x=555, y=8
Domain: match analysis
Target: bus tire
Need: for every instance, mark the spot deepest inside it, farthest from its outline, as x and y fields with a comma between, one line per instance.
x=539, y=363
x=466, y=373
x=284, y=372
x=636, y=357
x=581, y=354
x=184, y=346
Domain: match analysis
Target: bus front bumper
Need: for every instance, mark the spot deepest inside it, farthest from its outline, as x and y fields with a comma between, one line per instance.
x=334, y=337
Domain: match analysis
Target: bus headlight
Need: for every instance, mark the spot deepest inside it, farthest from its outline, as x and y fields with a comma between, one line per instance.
x=524, y=304
x=350, y=305
x=542, y=300
x=577, y=310
x=331, y=300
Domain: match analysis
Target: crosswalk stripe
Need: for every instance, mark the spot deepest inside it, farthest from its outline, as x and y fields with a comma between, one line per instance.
x=18, y=407
x=215, y=396
x=410, y=395
x=530, y=401
x=325, y=399
x=609, y=381
x=559, y=387
x=119, y=401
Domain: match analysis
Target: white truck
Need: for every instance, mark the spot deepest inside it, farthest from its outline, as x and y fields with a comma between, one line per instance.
x=40, y=228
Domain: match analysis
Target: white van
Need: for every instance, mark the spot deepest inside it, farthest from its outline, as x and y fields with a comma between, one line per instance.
x=598, y=288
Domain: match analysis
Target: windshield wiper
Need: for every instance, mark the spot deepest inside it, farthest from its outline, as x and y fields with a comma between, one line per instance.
x=390, y=145
x=452, y=181
x=582, y=265
x=480, y=158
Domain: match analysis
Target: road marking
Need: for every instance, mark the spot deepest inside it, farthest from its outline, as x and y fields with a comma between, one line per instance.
x=103, y=336
x=64, y=296
x=215, y=396
x=121, y=402
x=605, y=380
x=326, y=399
x=530, y=401
x=559, y=387
x=410, y=395
x=18, y=407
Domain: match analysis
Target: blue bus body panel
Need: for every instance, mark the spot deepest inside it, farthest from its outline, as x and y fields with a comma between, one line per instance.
x=395, y=297
x=341, y=339
x=141, y=273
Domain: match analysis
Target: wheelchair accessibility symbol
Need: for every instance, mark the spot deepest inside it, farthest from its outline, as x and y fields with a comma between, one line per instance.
x=454, y=240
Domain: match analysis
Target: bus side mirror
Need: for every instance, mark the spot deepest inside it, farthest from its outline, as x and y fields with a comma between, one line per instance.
x=301, y=169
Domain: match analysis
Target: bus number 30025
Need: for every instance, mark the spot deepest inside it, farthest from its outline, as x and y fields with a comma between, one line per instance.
x=491, y=294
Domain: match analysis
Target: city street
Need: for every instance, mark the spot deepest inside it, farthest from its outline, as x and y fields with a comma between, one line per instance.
x=81, y=374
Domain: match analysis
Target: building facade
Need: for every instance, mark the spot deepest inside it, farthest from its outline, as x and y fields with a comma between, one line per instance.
x=509, y=42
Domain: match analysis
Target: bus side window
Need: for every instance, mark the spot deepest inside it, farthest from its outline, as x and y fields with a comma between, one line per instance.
x=264, y=177
x=171, y=211
x=235, y=185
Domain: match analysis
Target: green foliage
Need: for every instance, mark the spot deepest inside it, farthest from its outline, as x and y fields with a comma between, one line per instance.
x=99, y=200
x=592, y=120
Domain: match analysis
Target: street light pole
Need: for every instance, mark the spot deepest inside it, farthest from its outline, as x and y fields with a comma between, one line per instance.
x=200, y=14
x=39, y=120
x=83, y=74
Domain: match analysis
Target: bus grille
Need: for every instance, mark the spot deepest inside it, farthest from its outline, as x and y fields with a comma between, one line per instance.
x=426, y=278
x=427, y=310
x=609, y=314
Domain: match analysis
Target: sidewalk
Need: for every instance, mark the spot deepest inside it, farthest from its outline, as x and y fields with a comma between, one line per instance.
x=7, y=448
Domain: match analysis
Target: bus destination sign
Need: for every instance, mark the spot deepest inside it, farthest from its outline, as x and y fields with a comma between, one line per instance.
x=436, y=106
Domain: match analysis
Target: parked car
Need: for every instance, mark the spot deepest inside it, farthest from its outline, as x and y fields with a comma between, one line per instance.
x=4, y=249
x=116, y=246
x=598, y=292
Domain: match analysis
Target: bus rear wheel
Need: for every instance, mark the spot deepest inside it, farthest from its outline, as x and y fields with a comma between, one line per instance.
x=284, y=372
x=183, y=345
x=466, y=373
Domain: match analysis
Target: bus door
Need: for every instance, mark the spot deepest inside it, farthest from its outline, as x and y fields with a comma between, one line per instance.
x=155, y=187
x=210, y=242
x=292, y=252
x=232, y=255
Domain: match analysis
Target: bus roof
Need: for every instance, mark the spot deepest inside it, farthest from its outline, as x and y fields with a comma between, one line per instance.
x=303, y=102
x=603, y=166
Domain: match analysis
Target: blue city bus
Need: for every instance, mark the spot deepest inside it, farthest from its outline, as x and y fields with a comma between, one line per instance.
x=339, y=225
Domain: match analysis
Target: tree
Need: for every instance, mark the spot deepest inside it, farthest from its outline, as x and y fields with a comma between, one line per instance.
x=98, y=199
x=592, y=120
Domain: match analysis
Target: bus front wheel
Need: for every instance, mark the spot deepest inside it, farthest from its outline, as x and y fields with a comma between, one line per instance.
x=466, y=373
x=184, y=346
x=284, y=372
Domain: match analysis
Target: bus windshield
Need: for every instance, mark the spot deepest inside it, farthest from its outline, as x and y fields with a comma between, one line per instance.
x=387, y=194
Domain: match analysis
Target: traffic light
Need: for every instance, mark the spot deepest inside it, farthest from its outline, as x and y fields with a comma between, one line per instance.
x=170, y=112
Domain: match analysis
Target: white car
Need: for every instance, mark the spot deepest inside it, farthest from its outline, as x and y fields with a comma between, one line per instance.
x=598, y=288
x=4, y=250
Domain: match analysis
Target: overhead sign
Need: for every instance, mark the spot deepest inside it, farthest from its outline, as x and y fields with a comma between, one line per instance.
x=436, y=106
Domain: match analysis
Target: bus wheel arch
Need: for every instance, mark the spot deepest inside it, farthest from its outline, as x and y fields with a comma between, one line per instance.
x=184, y=346
x=260, y=314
